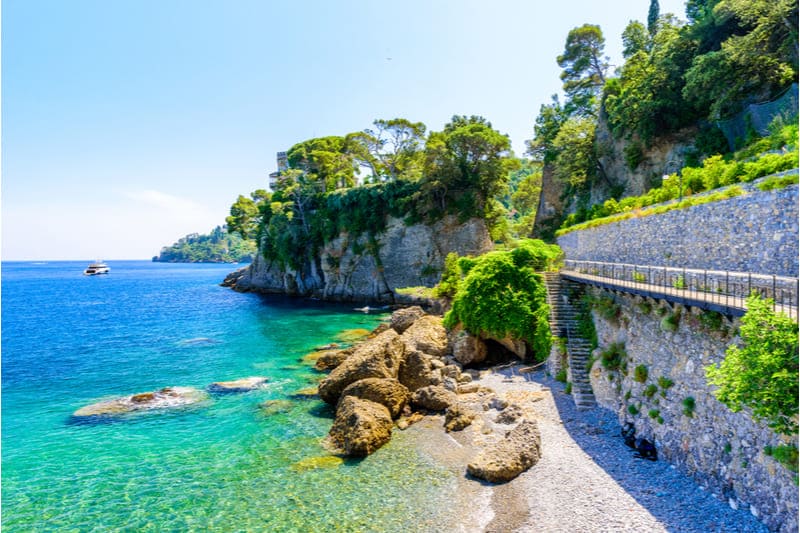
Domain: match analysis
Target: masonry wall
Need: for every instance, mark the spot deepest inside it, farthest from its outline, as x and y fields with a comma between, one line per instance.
x=756, y=232
x=722, y=450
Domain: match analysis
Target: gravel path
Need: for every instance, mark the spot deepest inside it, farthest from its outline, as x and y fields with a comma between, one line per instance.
x=587, y=479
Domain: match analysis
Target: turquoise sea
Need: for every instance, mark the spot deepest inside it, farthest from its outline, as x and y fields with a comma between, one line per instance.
x=69, y=340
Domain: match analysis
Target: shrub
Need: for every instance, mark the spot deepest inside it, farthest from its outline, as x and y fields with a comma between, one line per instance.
x=778, y=182
x=644, y=308
x=660, y=420
x=568, y=388
x=679, y=283
x=653, y=413
x=640, y=373
x=451, y=277
x=711, y=320
x=627, y=395
x=638, y=277
x=670, y=322
x=650, y=391
x=606, y=307
x=688, y=406
x=632, y=409
x=763, y=373
x=612, y=357
x=561, y=375
x=634, y=155
x=502, y=296
x=664, y=383
x=787, y=455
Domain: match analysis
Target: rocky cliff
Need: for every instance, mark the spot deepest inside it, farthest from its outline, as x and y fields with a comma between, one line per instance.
x=354, y=268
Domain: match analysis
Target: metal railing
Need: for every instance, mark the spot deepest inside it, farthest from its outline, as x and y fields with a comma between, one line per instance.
x=718, y=290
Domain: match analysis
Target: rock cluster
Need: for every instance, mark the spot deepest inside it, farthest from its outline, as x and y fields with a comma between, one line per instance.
x=407, y=370
x=168, y=397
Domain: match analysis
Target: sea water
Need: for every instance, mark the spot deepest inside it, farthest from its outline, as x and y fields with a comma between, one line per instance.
x=227, y=464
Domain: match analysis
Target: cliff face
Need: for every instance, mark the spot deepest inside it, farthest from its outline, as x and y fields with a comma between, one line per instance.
x=663, y=155
x=351, y=268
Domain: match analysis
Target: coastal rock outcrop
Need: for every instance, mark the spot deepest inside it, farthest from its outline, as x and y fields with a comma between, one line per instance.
x=468, y=349
x=402, y=319
x=385, y=391
x=379, y=357
x=360, y=426
x=509, y=457
x=330, y=359
x=404, y=256
x=433, y=398
x=238, y=385
x=427, y=334
x=419, y=370
x=166, y=398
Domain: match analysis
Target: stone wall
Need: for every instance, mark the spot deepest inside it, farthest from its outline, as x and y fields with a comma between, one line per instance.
x=722, y=450
x=756, y=232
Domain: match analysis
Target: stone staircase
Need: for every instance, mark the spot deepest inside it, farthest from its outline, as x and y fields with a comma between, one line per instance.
x=564, y=324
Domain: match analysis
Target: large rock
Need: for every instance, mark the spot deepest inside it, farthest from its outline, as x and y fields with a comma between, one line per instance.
x=166, y=398
x=238, y=385
x=457, y=417
x=375, y=358
x=468, y=349
x=360, y=426
x=330, y=359
x=509, y=457
x=402, y=319
x=433, y=398
x=427, y=335
x=386, y=391
x=417, y=370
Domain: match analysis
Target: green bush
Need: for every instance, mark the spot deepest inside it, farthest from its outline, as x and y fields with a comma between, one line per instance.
x=561, y=375
x=502, y=296
x=451, y=277
x=785, y=454
x=653, y=413
x=606, y=307
x=670, y=322
x=688, y=406
x=711, y=320
x=612, y=357
x=632, y=409
x=778, y=182
x=634, y=155
x=568, y=388
x=650, y=391
x=640, y=373
x=762, y=373
x=638, y=277
x=665, y=383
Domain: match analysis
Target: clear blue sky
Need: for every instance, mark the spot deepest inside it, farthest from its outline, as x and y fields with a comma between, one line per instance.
x=127, y=124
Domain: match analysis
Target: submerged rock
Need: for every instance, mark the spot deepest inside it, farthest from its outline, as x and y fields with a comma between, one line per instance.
x=509, y=457
x=385, y=391
x=274, y=407
x=166, y=398
x=350, y=335
x=238, y=385
x=331, y=359
x=375, y=358
x=402, y=319
x=360, y=426
x=313, y=463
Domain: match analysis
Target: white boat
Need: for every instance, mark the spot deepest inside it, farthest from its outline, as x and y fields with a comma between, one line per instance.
x=98, y=267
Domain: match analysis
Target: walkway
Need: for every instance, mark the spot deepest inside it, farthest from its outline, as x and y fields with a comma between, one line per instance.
x=721, y=291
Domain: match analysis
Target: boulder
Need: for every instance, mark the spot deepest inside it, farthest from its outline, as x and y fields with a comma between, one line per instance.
x=386, y=391
x=509, y=457
x=330, y=359
x=238, y=385
x=360, y=426
x=418, y=370
x=274, y=407
x=166, y=398
x=403, y=318
x=433, y=398
x=457, y=417
x=468, y=349
x=510, y=414
x=375, y=358
x=427, y=335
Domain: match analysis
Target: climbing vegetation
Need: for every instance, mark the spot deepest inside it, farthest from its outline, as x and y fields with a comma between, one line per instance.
x=762, y=372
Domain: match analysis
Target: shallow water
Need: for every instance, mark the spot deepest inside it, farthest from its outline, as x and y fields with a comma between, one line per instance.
x=224, y=465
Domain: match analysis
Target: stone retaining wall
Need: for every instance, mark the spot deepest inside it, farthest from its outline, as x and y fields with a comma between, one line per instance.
x=722, y=450
x=756, y=232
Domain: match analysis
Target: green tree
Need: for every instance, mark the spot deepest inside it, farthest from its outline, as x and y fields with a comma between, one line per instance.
x=395, y=148
x=762, y=373
x=549, y=120
x=576, y=163
x=246, y=213
x=652, y=17
x=635, y=39
x=585, y=68
x=329, y=161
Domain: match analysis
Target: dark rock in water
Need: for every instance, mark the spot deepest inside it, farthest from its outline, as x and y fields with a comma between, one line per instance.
x=238, y=385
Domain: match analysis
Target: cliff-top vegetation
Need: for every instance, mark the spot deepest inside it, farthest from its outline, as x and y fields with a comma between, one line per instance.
x=219, y=246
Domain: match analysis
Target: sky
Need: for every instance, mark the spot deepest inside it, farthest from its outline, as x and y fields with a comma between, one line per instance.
x=129, y=124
